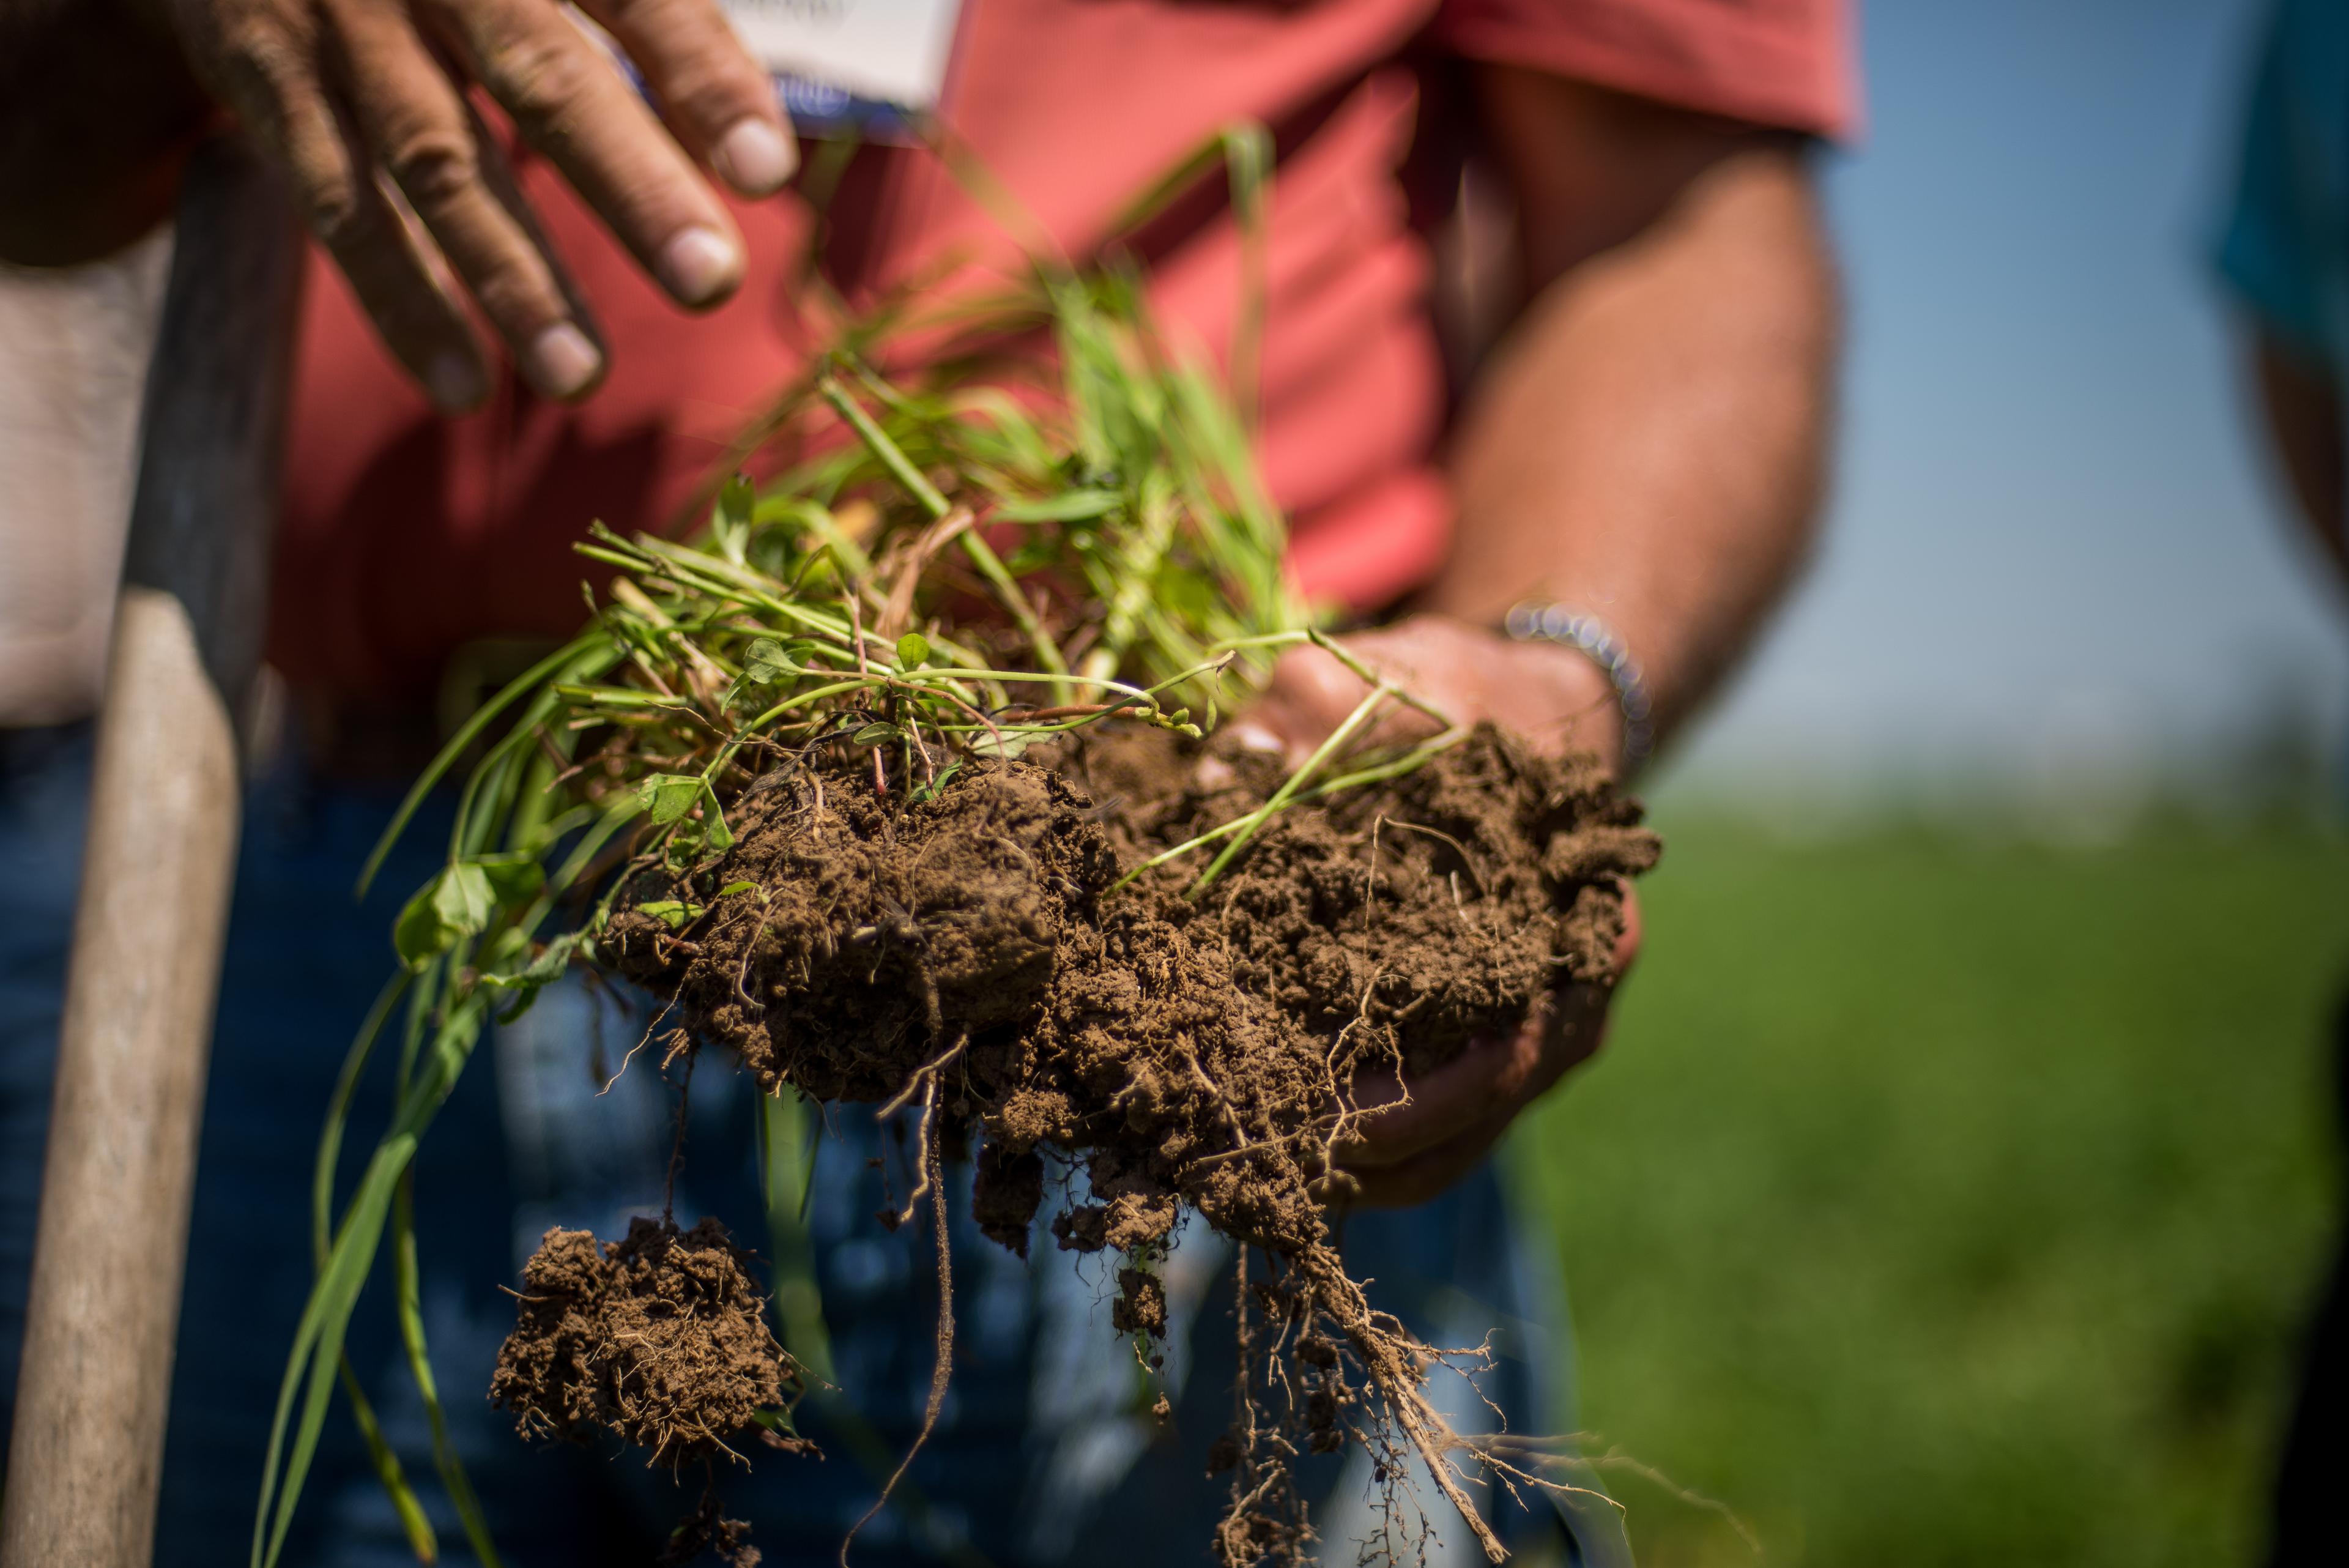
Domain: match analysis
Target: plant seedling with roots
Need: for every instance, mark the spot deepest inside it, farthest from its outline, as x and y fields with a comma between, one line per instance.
x=903, y=784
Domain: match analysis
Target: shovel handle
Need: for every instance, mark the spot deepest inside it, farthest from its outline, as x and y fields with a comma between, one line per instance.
x=103, y=1312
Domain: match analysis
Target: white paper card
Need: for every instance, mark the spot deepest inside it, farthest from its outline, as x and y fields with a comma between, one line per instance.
x=887, y=51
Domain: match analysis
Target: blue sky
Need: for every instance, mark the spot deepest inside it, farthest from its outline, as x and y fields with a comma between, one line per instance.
x=2052, y=547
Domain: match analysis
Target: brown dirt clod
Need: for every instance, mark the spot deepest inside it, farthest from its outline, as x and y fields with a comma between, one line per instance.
x=1189, y=1048
x=707, y=1530
x=661, y=1338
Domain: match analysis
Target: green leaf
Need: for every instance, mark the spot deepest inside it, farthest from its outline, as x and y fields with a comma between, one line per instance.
x=668, y=797
x=410, y=1293
x=673, y=912
x=737, y=499
x=464, y=899
x=317, y=1350
x=729, y=524
x=544, y=970
x=456, y=903
x=555, y=958
x=541, y=971
x=930, y=791
x=318, y=1347
x=1068, y=506
x=913, y=649
x=418, y=935
x=515, y=878
x=715, y=834
x=731, y=888
x=874, y=734
x=584, y=658
x=767, y=661
x=388, y=1471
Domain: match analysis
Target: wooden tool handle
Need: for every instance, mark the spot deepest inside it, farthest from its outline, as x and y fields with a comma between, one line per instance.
x=91, y=1401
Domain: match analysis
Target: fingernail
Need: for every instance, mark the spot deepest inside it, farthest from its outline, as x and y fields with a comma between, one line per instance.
x=562, y=362
x=755, y=157
x=698, y=265
x=454, y=381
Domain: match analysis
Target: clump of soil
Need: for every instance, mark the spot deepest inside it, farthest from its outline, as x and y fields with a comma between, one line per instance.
x=707, y=1528
x=1192, y=1048
x=661, y=1338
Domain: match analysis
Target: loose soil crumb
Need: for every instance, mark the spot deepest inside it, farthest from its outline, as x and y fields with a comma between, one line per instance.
x=661, y=1338
x=970, y=950
x=707, y=1528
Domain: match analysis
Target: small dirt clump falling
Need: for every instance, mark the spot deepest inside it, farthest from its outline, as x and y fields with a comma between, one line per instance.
x=659, y=1338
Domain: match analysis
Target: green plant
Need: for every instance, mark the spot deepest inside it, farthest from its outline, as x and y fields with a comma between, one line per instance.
x=944, y=570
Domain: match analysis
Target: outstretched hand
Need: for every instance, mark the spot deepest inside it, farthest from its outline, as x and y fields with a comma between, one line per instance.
x=353, y=96
x=1425, y=1132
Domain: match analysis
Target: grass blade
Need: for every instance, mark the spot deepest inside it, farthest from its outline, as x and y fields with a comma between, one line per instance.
x=338, y=1111
x=317, y=1352
x=318, y=1348
x=410, y=1293
x=404, y=1500
x=522, y=685
x=787, y=1148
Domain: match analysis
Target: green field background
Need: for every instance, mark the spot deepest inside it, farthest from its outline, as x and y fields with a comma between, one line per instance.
x=1946, y=1198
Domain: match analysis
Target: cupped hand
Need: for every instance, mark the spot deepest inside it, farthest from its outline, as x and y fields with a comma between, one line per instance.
x=1551, y=696
x=1423, y=1133
x=356, y=98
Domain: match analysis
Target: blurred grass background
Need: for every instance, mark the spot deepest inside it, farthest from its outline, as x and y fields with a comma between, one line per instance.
x=1949, y=1198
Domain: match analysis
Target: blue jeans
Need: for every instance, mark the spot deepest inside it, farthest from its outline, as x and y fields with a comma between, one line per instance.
x=1045, y=1452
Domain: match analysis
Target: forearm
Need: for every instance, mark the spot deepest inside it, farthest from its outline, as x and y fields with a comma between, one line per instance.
x=2301, y=403
x=1650, y=443
x=100, y=111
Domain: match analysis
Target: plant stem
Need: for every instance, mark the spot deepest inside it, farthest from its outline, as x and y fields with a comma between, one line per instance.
x=876, y=441
x=982, y=554
x=1363, y=712
x=1138, y=571
x=1377, y=772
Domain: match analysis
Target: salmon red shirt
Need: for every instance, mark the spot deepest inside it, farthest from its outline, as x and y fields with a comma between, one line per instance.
x=405, y=535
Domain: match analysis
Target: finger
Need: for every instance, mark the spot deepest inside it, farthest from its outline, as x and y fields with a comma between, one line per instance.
x=720, y=102
x=404, y=285
x=572, y=105
x=417, y=123
x=1312, y=692
x=1428, y=1173
x=1493, y=1077
x=282, y=99
x=498, y=177
x=1406, y=1118
x=1634, y=931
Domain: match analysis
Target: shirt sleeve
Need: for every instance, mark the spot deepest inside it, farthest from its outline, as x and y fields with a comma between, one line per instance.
x=1787, y=64
x=2271, y=240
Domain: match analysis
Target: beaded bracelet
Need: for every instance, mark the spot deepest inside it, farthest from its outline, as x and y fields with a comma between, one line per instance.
x=1597, y=641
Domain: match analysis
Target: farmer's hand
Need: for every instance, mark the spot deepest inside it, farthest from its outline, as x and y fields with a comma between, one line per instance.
x=1420, y=1142
x=350, y=94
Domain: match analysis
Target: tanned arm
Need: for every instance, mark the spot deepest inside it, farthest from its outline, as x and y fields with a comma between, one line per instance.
x=1649, y=442
x=2301, y=405
x=1646, y=445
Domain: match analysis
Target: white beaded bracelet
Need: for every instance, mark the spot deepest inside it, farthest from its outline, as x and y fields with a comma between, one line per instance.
x=1538, y=620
